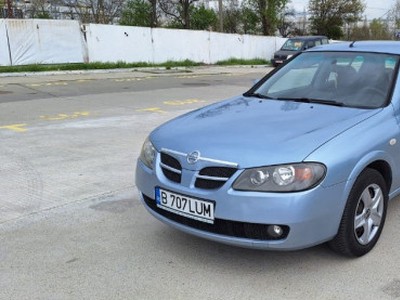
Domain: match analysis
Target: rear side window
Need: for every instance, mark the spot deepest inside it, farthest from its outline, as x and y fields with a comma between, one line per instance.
x=310, y=44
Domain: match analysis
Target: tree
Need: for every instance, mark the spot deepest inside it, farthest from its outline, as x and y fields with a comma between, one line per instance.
x=285, y=23
x=39, y=9
x=360, y=33
x=394, y=17
x=268, y=11
x=179, y=11
x=379, y=30
x=376, y=30
x=137, y=13
x=328, y=16
x=231, y=16
x=203, y=18
x=301, y=27
x=249, y=19
x=95, y=11
x=154, y=13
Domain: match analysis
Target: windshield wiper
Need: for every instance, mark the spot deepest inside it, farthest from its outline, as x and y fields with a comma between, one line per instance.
x=257, y=95
x=318, y=101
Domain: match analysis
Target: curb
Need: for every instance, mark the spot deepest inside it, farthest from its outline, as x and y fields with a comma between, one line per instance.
x=145, y=70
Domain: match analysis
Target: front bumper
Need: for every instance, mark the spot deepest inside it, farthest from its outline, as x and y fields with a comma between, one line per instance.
x=311, y=217
x=277, y=61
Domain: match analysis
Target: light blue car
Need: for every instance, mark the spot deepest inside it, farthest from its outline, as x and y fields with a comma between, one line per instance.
x=310, y=154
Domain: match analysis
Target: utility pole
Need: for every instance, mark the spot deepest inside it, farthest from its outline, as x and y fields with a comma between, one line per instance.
x=221, y=17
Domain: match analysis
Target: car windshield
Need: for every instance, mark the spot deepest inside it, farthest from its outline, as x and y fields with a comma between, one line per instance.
x=338, y=78
x=292, y=45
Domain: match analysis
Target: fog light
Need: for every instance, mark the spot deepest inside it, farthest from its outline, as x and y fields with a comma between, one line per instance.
x=275, y=231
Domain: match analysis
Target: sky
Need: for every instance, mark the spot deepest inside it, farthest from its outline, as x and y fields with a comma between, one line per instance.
x=374, y=10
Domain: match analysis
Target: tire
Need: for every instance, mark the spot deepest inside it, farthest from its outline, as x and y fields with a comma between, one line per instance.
x=363, y=217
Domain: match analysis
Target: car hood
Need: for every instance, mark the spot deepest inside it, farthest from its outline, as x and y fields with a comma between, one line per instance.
x=285, y=53
x=253, y=132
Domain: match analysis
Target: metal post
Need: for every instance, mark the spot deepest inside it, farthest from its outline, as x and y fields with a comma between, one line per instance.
x=9, y=12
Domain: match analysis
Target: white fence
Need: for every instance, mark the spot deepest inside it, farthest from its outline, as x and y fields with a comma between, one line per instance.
x=33, y=41
x=25, y=42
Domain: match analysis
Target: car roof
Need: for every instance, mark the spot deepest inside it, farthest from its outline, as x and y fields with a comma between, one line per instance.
x=313, y=37
x=389, y=47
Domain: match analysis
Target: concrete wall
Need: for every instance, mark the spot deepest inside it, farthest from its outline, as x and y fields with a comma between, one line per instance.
x=33, y=41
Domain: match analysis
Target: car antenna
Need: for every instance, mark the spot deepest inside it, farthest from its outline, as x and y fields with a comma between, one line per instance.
x=352, y=44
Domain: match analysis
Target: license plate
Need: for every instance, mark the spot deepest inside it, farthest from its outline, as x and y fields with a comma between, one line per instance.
x=279, y=61
x=198, y=209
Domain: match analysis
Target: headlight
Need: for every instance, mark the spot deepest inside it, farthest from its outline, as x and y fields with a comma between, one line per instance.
x=148, y=153
x=284, y=178
x=289, y=56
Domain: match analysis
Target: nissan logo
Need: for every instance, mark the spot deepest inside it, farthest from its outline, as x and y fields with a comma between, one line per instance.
x=193, y=157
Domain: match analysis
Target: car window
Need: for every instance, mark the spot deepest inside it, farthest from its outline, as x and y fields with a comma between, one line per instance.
x=318, y=43
x=301, y=75
x=292, y=45
x=309, y=45
x=296, y=78
x=347, y=78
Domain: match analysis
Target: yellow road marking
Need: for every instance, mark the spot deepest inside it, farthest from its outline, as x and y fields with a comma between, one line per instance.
x=235, y=74
x=184, y=102
x=152, y=109
x=173, y=103
x=47, y=84
x=15, y=127
x=63, y=83
x=65, y=116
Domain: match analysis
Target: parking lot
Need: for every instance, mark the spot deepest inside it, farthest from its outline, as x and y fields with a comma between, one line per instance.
x=71, y=222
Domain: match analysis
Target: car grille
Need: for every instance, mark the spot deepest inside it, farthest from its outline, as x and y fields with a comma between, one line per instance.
x=245, y=230
x=208, y=178
x=213, y=177
x=277, y=56
x=171, y=168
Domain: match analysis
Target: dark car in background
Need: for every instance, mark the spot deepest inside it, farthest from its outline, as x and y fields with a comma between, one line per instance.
x=295, y=45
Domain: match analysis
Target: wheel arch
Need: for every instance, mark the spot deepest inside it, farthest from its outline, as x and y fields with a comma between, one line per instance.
x=384, y=169
x=379, y=161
